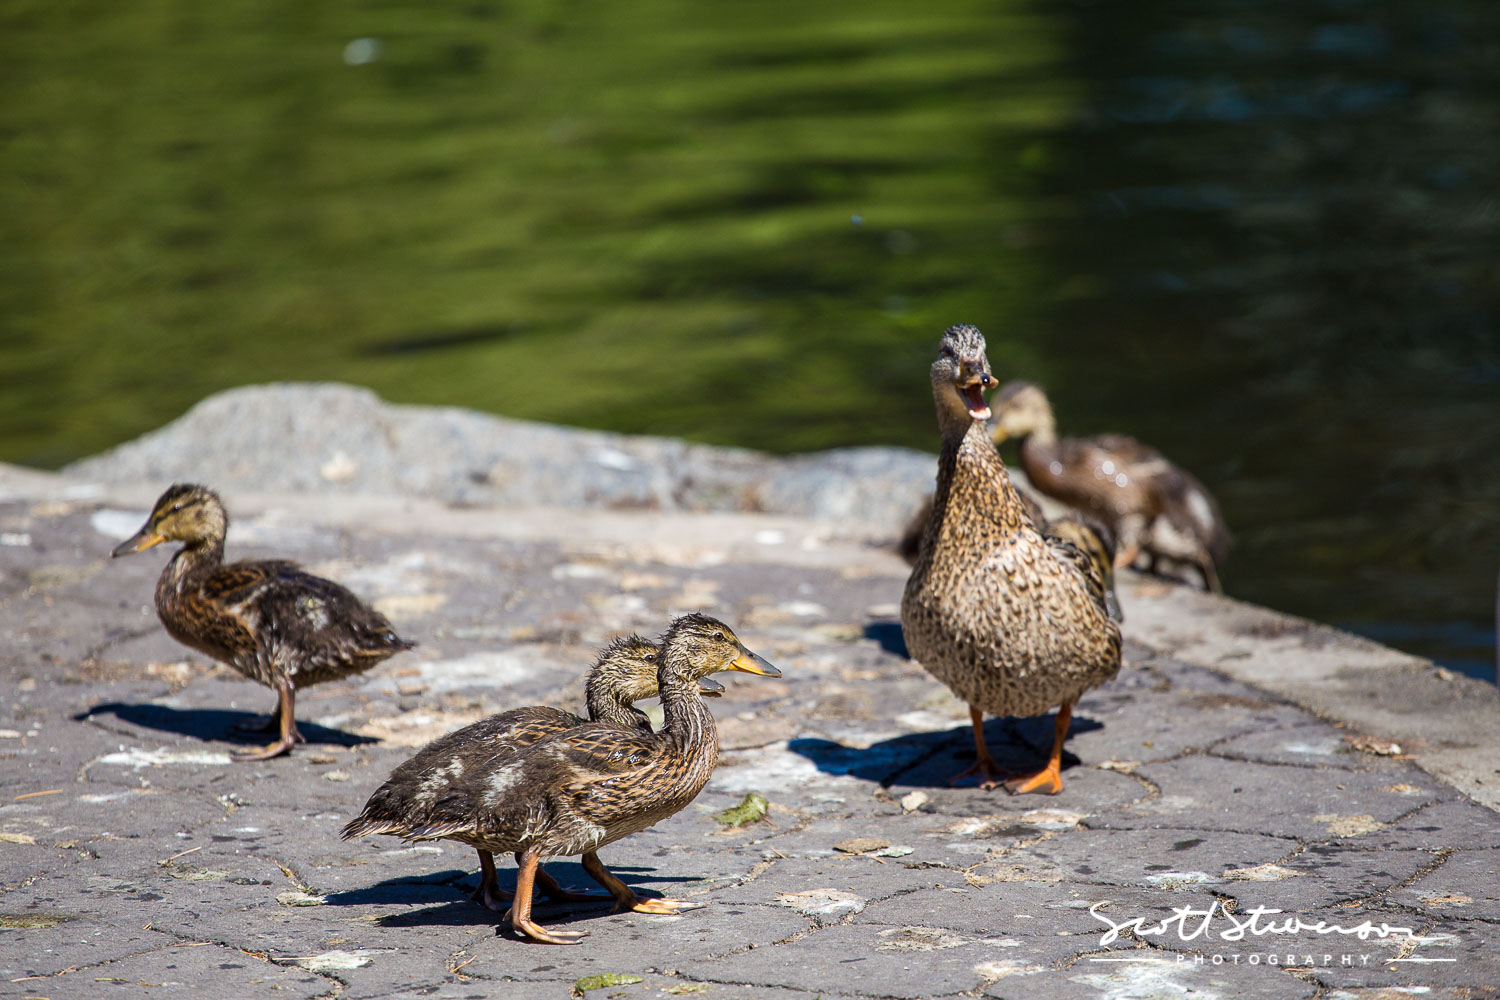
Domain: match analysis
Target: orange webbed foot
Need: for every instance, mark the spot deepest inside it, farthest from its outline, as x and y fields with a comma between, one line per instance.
x=535, y=931
x=1047, y=781
x=663, y=905
x=276, y=749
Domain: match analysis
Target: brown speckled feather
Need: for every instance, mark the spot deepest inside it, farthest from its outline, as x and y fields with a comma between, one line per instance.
x=427, y=796
x=270, y=619
x=1110, y=476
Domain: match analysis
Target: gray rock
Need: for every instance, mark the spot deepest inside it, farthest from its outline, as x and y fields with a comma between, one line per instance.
x=341, y=439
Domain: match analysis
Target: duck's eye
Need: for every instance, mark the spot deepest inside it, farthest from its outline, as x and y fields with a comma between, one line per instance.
x=649, y=657
x=175, y=508
x=721, y=635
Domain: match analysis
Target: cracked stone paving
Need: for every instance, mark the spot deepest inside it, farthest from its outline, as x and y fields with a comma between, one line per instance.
x=136, y=860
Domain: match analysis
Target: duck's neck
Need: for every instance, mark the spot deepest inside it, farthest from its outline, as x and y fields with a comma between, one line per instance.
x=686, y=721
x=1039, y=441
x=970, y=473
x=191, y=562
x=609, y=703
x=1043, y=434
x=1037, y=450
x=953, y=416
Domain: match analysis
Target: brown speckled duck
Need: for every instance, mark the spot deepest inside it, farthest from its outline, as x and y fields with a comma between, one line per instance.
x=579, y=789
x=427, y=788
x=268, y=619
x=1155, y=508
x=1013, y=621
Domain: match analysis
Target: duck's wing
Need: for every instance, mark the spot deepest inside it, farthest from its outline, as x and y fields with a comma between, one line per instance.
x=1111, y=475
x=1088, y=546
x=910, y=545
x=485, y=743
x=1116, y=455
x=440, y=790
x=574, y=784
x=289, y=608
x=1174, y=491
x=242, y=582
x=613, y=773
x=1033, y=508
x=1123, y=448
x=1190, y=504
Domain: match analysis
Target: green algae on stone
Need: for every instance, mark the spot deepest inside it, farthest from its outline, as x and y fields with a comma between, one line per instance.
x=604, y=979
x=752, y=808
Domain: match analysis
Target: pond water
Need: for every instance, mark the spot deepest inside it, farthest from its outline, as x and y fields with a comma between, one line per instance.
x=1260, y=235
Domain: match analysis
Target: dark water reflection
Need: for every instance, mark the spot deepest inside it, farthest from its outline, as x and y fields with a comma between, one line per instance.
x=1281, y=239
x=1260, y=235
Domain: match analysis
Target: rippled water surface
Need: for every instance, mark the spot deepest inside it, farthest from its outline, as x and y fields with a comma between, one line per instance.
x=1262, y=236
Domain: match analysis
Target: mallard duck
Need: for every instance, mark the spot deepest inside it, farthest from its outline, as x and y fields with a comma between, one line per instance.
x=268, y=619
x=574, y=791
x=1153, y=506
x=427, y=788
x=1013, y=621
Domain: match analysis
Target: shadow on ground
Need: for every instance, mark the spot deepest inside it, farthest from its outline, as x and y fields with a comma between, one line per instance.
x=930, y=760
x=452, y=893
x=214, y=724
x=889, y=637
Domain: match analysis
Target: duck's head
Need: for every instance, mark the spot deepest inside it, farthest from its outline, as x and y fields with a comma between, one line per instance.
x=184, y=513
x=626, y=670
x=961, y=374
x=1021, y=409
x=708, y=645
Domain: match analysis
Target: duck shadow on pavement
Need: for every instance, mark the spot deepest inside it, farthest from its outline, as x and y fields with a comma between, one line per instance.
x=214, y=724
x=450, y=892
x=930, y=760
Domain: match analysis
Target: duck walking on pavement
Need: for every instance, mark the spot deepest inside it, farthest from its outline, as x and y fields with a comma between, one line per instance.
x=585, y=787
x=1014, y=621
x=435, y=788
x=268, y=619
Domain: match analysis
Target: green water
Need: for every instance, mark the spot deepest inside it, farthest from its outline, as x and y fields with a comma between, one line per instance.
x=594, y=213
x=1259, y=235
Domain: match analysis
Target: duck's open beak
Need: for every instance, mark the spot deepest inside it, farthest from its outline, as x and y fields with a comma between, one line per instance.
x=973, y=391
x=709, y=688
x=752, y=664
x=138, y=542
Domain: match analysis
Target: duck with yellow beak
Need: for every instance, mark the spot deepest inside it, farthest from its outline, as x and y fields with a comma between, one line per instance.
x=270, y=620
